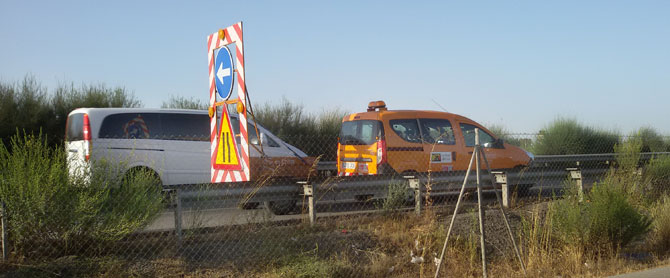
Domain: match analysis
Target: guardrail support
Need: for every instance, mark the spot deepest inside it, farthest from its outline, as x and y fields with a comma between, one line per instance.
x=308, y=190
x=501, y=180
x=576, y=177
x=415, y=184
x=177, y=214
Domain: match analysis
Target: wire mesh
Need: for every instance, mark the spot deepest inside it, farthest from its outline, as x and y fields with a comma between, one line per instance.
x=149, y=210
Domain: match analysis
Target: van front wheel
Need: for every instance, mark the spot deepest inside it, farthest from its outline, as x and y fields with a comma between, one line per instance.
x=280, y=207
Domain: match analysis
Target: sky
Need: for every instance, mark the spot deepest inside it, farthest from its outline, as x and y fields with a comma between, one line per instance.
x=520, y=64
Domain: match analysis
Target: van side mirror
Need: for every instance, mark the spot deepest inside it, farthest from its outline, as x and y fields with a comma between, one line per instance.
x=262, y=138
x=253, y=141
x=499, y=144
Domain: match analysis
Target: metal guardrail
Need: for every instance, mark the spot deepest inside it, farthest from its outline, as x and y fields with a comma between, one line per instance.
x=334, y=189
x=552, y=170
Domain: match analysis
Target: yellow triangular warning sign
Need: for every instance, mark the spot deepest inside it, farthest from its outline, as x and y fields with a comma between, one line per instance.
x=226, y=153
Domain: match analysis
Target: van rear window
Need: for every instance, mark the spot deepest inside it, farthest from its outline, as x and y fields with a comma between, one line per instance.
x=161, y=126
x=363, y=132
x=75, y=127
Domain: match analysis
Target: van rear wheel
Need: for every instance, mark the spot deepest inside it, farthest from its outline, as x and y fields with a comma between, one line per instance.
x=280, y=207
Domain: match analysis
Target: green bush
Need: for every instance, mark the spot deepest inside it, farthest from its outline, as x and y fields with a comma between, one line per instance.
x=396, y=197
x=607, y=218
x=53, y=214
x=652, y=141
x=567, y=136
x=657, y=176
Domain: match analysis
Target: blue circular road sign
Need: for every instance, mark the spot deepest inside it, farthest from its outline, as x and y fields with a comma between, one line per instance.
x=223, y=72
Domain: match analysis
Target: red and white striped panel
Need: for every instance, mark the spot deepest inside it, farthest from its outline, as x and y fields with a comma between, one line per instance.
x=233, y=34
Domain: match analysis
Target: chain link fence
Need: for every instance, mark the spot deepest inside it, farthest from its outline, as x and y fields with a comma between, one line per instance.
x=147, y=211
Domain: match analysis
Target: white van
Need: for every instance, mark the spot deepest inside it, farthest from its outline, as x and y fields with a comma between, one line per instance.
x=173, y=143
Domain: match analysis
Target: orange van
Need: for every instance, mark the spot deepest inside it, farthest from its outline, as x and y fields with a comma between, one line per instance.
x=382, y=141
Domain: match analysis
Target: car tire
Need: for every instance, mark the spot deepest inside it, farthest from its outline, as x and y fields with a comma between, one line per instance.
x=280, y=207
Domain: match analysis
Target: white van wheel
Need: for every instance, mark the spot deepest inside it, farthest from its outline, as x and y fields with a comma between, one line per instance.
x=281, y=207
x=132, y=172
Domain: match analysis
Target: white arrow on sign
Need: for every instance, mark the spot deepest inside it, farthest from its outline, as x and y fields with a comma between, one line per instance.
x=221, y=73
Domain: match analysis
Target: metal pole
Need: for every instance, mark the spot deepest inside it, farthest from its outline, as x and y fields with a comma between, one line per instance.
x=453, y=217
x=177, y=215
x=501, y=179
x=479, y=203
x=502, y=210
x=416, y=185
x=308, y=190
x=576, y=176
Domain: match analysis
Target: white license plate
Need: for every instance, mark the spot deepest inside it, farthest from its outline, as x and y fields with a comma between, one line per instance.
x=349, y=165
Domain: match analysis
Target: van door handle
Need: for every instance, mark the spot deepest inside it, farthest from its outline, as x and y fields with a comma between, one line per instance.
x=73, y=150
x=469, y=152
x=453, y=155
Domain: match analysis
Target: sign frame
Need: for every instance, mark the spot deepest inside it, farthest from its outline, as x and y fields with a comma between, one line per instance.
x=229, y=35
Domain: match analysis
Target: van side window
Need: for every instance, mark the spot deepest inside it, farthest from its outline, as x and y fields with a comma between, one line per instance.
x=469, y=135
x=437, y=131
x=407, y=129
x=131, y=126
x=186, y=127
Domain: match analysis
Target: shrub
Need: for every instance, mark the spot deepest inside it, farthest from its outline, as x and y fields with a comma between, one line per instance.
x=53, y=214
x=396, y=198
x=605, y=220
x=657, y=176
x=567, y=136
x=652, y=141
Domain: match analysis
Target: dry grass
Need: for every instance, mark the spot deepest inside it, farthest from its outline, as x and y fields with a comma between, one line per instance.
x=379, y=245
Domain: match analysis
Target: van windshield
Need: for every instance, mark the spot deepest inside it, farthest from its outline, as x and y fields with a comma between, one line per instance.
x=363, y=132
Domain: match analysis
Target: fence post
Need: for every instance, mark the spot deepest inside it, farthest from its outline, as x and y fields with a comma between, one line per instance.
x=576, y=177
x=308, y=191
x=416, y=185
x=5, y=244
x=501, y=180
x=177, y=214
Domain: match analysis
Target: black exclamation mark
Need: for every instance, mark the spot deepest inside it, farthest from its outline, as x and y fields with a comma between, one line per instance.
x=227, y=148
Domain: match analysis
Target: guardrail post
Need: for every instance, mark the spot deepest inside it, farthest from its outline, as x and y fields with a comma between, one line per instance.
x=416, y=185
x=501, y=180
x=308, y=190
x=576, y=177
x=177, y=214
x=5, y=244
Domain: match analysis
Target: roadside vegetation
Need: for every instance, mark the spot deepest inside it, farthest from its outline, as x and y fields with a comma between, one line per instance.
x=71, y=226
x=51, y=214
x=28, y=106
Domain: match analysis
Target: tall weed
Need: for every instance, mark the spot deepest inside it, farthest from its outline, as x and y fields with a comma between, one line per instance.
x=661, y=227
